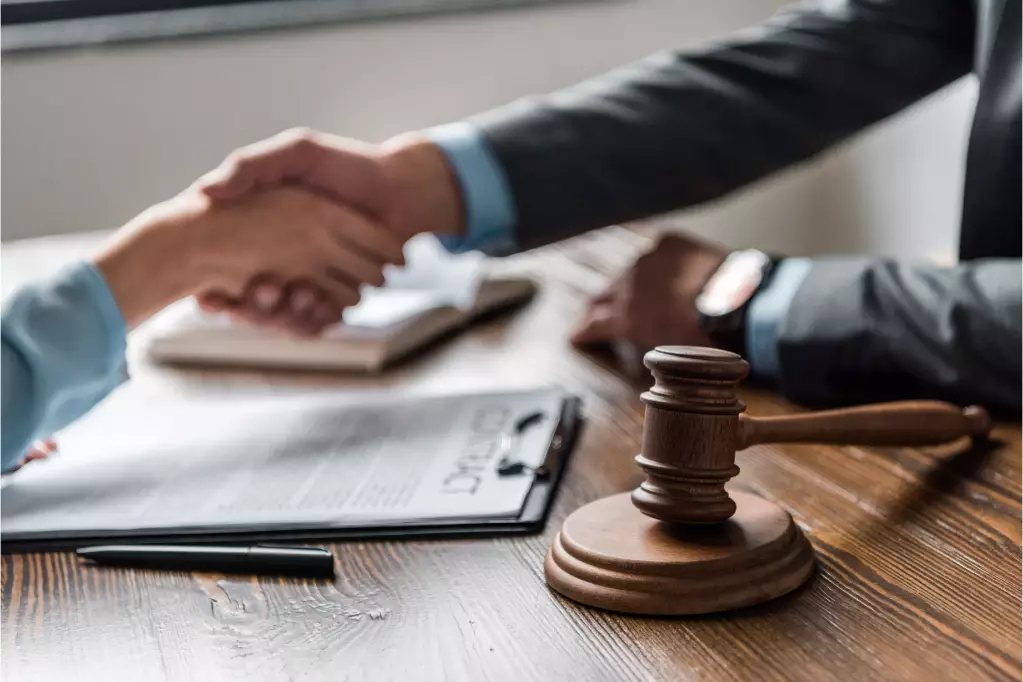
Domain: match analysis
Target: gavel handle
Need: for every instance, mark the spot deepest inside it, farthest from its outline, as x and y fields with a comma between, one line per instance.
x=917, y=422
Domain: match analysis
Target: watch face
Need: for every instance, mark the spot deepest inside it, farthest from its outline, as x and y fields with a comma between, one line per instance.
x=733, y=284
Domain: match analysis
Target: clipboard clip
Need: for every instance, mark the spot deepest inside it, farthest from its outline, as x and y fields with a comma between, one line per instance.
x=511, y=441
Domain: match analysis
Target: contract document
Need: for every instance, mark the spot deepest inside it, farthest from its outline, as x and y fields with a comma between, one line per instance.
x=314, y=460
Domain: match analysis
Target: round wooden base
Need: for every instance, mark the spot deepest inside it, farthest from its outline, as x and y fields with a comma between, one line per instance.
x=611, y=556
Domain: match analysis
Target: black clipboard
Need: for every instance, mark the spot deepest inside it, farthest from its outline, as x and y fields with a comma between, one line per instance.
x=532, y=519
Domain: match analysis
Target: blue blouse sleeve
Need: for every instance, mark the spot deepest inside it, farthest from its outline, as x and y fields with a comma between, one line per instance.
x=63, y=351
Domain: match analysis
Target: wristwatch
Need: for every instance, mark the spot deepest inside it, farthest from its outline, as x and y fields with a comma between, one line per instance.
x=723, y=301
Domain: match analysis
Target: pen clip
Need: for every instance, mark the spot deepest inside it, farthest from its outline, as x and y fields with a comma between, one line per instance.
x=506, y=466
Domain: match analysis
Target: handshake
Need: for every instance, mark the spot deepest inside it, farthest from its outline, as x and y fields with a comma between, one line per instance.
x=285, y=232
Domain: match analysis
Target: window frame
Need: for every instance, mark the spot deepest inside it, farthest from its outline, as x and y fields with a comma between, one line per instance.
x=56, y=24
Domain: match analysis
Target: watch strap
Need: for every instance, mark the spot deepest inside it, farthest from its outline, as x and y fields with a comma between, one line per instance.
x=729, y=332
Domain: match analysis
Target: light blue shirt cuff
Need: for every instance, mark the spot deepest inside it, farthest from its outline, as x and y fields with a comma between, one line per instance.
x=486, y=195
x=63, y=351
x=766, y=313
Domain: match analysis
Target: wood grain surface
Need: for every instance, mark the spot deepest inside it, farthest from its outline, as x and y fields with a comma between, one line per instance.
x=918, y=552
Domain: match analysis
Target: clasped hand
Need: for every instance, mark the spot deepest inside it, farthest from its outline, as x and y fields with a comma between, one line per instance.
x=405, y=187
x=284, y=233
x=383, y=195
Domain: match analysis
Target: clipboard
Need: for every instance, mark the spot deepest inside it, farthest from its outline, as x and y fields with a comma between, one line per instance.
x=531, y=520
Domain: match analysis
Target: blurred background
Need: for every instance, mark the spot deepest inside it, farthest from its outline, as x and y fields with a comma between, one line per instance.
x=94, y=132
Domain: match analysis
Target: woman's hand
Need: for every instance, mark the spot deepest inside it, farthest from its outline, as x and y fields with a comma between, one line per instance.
x=191, y=244
x=268, y=301
x=405, y=183
x=41, y=449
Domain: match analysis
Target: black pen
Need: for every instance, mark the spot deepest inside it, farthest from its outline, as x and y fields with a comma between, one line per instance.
x=299, y=561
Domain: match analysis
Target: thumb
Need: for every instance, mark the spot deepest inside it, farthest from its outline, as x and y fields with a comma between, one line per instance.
x=598, y=325
x=288, y=155
x=41, y=449
x=343, y=170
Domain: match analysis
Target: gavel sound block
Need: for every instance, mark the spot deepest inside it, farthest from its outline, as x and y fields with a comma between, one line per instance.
x=680, y=543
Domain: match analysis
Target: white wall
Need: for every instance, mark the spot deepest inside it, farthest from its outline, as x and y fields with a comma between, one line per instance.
x=898, y=189
x=90, y=137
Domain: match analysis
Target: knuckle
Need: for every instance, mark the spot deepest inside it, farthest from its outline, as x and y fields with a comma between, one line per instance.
x=300, y=137
x=236, y=159
x=324, y=212
x=665, y=246
x=351, y=297
x=316, y=206
x=396, y=252
x=313, y=211
x=668, y=241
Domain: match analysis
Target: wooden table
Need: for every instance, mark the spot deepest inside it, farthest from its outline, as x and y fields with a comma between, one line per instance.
x=919, y=554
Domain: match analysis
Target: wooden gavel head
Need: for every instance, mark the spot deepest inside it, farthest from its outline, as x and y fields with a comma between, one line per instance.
x=694, y=426
x=689, y=435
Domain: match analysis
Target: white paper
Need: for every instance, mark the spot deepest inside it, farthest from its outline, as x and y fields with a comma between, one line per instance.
x=432, y=278
x=309, y=460
x=429, y=267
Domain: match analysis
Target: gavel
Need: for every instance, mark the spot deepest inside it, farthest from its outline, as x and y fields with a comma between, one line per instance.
x=694, y=426
x=680, y=543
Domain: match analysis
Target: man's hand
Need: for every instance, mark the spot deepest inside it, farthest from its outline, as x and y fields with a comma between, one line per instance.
x=404, y=185
x=653, y=303
x=191, y=244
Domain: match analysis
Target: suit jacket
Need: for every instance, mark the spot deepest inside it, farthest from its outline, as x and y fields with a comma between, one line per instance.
x=681, y=128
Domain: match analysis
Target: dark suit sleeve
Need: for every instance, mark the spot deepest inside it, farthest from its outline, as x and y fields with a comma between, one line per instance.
x=681, y=128
x=863, y=329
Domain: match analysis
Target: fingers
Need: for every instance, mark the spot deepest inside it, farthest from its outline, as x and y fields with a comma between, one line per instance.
x=268, y=162
x=337, y=293
x=345, y=170
x=299, y=307
x=352, y=268
x=41, y=449
x=605, y=296
x=260, y=302
x=606, y=322
x=214, y=302
x=265, y=294
x=328, y=313
x=599, y=325
x=308, y=310
x=358, y=235
x=320, y=253
x=257, y=304
x=355, y=256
